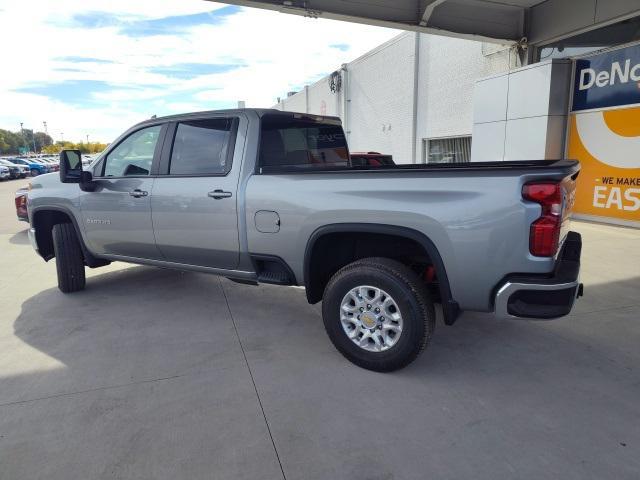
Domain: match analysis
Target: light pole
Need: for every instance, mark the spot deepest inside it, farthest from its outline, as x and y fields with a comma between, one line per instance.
x=44, y=122
x=24, y=140
x=87, y=138
x=61, y=137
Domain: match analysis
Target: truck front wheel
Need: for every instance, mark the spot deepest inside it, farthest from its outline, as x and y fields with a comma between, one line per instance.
x=378, y=314
x=69, y=258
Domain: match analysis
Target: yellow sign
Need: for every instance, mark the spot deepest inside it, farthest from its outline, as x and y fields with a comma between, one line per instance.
x=607, y=144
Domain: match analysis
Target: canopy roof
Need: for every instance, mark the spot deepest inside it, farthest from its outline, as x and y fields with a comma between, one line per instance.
x=495, y=20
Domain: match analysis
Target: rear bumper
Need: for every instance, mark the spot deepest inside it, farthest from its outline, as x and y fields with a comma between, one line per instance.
x=32, y=238
x=543, y=296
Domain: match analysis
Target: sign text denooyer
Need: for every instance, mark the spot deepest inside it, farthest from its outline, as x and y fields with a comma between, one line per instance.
x=604, y=134
x=607, y=80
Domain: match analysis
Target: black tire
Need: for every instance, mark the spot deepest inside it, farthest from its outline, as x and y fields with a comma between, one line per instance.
x=69, y=258
x=34, y=172
x=408, y=292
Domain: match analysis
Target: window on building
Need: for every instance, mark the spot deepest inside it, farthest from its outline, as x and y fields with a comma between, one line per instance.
x=622, y=32
x=447, y=150
x=201, y=147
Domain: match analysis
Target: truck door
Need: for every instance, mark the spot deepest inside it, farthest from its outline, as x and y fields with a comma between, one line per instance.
x=194, y=201
x=117, y=215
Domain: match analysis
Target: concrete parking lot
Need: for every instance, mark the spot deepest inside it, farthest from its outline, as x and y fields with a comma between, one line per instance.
x=158, y=374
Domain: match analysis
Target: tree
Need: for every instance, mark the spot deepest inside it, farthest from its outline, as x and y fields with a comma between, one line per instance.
x=12, y=142
x=91, y=147
x=42, y=140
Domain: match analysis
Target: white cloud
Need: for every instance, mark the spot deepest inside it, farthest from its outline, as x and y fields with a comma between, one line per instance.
x=276, y=52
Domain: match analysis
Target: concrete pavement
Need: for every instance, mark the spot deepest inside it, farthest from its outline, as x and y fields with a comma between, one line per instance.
x=152, y=373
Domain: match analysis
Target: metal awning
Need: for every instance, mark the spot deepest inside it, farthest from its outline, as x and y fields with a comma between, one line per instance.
x=494, y=20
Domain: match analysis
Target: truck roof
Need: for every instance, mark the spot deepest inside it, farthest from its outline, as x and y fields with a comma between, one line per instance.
x=232, y=111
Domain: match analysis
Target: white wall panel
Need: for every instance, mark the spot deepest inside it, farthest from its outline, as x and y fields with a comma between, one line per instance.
x=380, y=94
x=322, y=101
x=449, y=68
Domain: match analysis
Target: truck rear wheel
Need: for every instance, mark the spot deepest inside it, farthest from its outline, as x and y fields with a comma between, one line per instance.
x=378, y=314
x=69, y=258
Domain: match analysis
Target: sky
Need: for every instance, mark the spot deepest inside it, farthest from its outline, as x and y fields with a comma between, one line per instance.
x=96, y=67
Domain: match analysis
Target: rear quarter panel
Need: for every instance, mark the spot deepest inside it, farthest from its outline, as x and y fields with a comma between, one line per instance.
x=477, y=220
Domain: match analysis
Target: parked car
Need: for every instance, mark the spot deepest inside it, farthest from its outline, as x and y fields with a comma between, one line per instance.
x=21, y=204
x=4, y=173
x=268, y=196
x=370, y=159
x=16, y=170
x=53, y=165
x=35, y=167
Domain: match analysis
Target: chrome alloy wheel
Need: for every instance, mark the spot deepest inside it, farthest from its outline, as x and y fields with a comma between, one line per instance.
x=371, y=318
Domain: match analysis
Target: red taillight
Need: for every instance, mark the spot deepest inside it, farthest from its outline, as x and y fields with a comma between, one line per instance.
x=544, y=235
x=21, y=204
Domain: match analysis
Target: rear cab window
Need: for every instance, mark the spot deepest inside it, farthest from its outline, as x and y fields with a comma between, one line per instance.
x=301, y=142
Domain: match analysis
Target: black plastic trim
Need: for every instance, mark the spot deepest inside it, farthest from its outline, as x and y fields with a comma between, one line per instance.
x=573, y=165
x=547, y=303
x=450, y=308
x=291, y=278
x=90, y=259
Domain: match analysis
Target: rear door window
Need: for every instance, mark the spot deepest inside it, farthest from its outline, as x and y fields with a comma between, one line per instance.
x=202, y=147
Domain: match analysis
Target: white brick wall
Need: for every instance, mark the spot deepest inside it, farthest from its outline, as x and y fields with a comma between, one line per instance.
x=295, y=103
x=322, y=101
x=448, y=70
x=380, y=92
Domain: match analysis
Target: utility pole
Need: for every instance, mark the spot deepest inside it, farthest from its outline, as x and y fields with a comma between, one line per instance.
x=87, y=138
x=62, y=136
x=24, y=140
x=44, y=122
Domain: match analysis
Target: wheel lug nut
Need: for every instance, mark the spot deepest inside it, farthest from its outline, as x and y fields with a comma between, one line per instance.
x=368, y=307
x=381, y=319
x=372, y=330
x=379, y=327
x=361, y=309
x=377, y=310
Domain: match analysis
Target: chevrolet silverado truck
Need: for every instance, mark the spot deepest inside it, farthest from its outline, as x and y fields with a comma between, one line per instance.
x=264, y=196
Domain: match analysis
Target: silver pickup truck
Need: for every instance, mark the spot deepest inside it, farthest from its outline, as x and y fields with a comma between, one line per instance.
x=263, y=196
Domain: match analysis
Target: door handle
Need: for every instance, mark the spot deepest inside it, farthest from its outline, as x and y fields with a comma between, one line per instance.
x=218, y=194
x=137, y=193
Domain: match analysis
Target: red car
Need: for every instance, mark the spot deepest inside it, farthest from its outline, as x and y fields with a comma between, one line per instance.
x=370, y=159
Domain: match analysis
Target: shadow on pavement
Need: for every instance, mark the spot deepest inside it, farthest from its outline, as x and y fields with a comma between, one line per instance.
x=484, y=392
x=20, y=238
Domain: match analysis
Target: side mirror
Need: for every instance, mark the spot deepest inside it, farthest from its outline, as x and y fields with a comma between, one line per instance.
x=70, y=166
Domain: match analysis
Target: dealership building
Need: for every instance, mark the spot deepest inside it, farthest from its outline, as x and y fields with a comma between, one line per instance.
x=411, y=97
x=549, y=80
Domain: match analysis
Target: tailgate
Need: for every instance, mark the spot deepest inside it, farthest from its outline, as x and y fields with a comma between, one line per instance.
x=568, y=186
